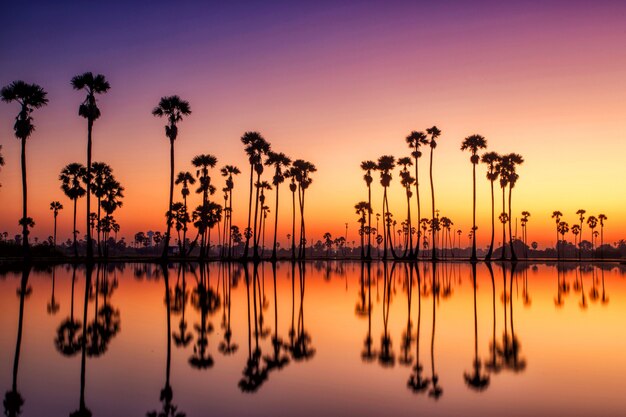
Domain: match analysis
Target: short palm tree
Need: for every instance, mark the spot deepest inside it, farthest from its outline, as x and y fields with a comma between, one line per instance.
x=557, y=216
x=602, y=218
x=524, y=223
x=101, y=176
x=363, y=209
x=473, y=143
x=491, y=159
x=562, y=229
x=92, y=84
x=55, y=206
x=202, y=163
x=280, y=162
x=29, y=97
x=386, y=164
x=592, y=222
x=71, y=183
x=407, y=182
x=512, y=160
x=185, y=179
x=434, y=133
x=368, y=167
x=415, y=140
x=174, y=109
x=228, y=171
x=581, y=219
x=576, y=230
x=302, y=172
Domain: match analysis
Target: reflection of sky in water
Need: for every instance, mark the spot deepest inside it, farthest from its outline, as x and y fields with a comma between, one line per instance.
x=558, y=340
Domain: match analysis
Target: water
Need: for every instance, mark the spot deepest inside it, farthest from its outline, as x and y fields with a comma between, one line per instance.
x=302, y=340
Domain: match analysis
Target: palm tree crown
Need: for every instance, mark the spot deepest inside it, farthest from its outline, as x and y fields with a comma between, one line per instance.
x=173, y=108
x=93, y=84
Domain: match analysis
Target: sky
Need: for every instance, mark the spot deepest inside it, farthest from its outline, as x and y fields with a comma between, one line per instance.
x=334, y=83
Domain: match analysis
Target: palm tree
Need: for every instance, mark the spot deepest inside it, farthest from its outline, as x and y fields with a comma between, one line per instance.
x=362, y=209
x=407, y=181
x=562, y=229
x=576, y=231
x=476, y=380
x=368, y=167
x=557, y=216
x=101, y=175
x=174, y=109
x=415, y=140
x=228, y=171
x=302, y=170
x=202, y=163
x=55, y=206
x=280, y=162
x=71, y=178
x=255, y=146
x=263, y=185
x=602, y=218
x=29, y=97
x=434, y=133
x=1, y=160
x=491, y=159
x=592, y=222
x=473, y=143
x=581, y=218
x=186, y=179
x=501, y=167
x=524, y=222
x=89, y=110
x=386, y=164
x=510, y=162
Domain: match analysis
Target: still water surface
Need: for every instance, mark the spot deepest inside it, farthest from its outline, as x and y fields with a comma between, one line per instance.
x=325, y=338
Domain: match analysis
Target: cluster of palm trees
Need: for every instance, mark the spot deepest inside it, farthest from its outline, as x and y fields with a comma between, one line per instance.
x=209, y=213
x=563, y=227
x=502, y=167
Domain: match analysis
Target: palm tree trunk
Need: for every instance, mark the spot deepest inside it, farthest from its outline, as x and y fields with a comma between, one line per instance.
x=503, y=255
x=256, y=213
x=98, y=229
x=74, y=230
x=384, y=228
x=18, y=343
x=474, y=257
x=55, y=231
x=275, y=226
x=513, y=256
x=25, y=246
x=408, y=215
x=184, y=228
x=247, y=232
x=171, y=199
x=88, y=188
x=369, y=222
x=432, y=194
x=293, y=225
x=419, y=210
x=302, y=228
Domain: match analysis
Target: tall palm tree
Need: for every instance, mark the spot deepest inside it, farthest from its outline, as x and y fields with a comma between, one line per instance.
x=557, y=216
x=185, y=179
x=92, y=84
x=362, y=209
x=473, y=143
x=55, y=206
x=476, y=380
x=502, y=168
x=512, y=160
x=415, y=140
x=228, y=171
x=385, y=165
x=262, y=186
x=491, y=159
x=29, y=97
x=434, y=133
x=174, y=109
x=202, y=163
x=302, y=173
x=581, y=218
x=407, y=181
x=71, y=183
x=255, y=146
x=280, y=162
x=368, y=167
x=602, y=218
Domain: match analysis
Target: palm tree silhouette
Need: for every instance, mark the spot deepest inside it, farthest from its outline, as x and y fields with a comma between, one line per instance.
x=29, y=97
x=174, y=109
x=53, y=307
x=71, y=177
x=476, y=380
x=557, y=216
x=407, y=181
x=202, y=163
x=226, y=346
x=1, y=160
x=576, y=231
x=385, y=165
x=13, y=400
x=524, y=222
x=256, y=147
x=279, y=359
x=67, y=338
x=185, y=179
x=562, y=229
x=101, y=174
x=92, y=85
x=417, y=383
x=280, y=162
x=363, y=209
x=368, y=167
x=434, y=133
x=415, y=140
x=301, y=171
x=435, y=391
x=228, y=171
x=592, y=222
x=509, y=163
x=473, y=143
x=602, y=218
x=491, y=159
x=55, y=206
x=262, y=186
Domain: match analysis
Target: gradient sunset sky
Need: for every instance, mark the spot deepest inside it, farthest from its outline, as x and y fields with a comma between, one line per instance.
x=334, y=83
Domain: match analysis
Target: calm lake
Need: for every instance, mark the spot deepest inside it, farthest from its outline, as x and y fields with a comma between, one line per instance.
x=317, y=339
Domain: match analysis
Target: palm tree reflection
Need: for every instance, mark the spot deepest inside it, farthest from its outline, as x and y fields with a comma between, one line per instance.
x=386, y=356
x=226, y=346
x=279, y=358
x=66, y=341
x=368, y=354
x=207, y=302
x=435, y=391
x=417, y=383
x=476, y=380
x=53, y=307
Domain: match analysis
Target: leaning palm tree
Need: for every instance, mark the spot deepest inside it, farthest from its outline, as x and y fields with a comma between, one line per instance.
x=602, y=218
x=415, y=140
x=92, y=84
x=55, y=206
x=71, y=183
x=473, y=143
x=228, y=171
x=185, y=179
x=174, y=109
x=280, y=162
x=407, y=181
x=368, y=167
x=29, y=97
x=557, y=216
x=491, y=159
x=255, y=146
x=434, y=133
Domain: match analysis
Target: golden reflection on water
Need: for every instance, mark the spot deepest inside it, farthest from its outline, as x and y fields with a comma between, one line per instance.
x=321, y=338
